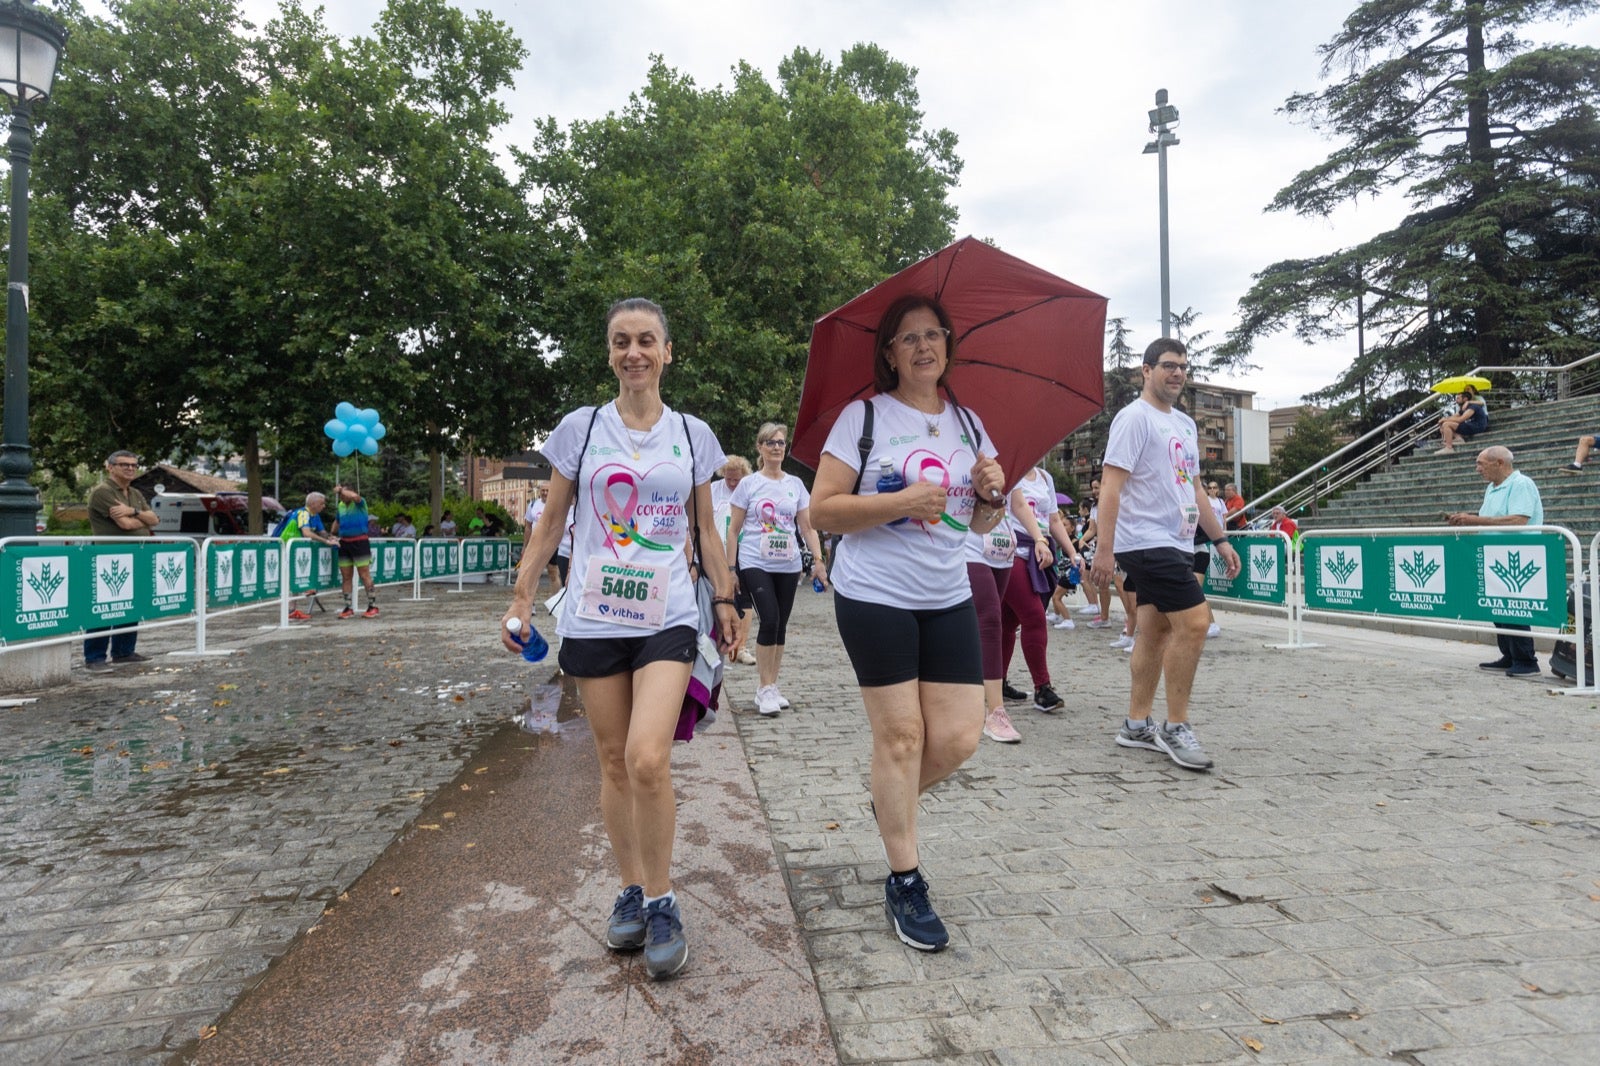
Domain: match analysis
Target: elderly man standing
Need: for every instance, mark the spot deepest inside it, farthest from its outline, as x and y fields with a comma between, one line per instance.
x=1510, y=499
x=117, y=509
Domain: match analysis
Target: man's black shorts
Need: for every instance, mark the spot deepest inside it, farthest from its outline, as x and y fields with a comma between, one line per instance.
x=1163, y=578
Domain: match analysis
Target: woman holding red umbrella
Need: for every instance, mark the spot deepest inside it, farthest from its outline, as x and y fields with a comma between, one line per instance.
x=905, y=501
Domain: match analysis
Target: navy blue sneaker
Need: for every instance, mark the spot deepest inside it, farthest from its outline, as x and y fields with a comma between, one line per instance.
x=626, y=929
x=905, y=899
x=1525, y=670
x=665, y=949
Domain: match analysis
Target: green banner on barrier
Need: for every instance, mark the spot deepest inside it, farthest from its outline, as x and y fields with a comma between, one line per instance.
x=482, y=555
x=1517, y=578
x=393, y=560
x=438, y=558
x=62, y=588
x=241, y=572
x=312, y=566
x=1263, y=572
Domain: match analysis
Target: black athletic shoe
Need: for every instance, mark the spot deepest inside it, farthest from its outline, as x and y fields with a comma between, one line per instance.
x=905, y=899
x=1045, y=699
x=1502, y=663
x=1013, y=694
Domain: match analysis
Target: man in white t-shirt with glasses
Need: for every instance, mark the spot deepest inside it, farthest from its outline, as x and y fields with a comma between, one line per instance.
x=1152, y=500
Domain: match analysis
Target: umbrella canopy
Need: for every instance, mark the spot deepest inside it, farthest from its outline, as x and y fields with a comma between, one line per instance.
x=1459, y=384
x=1028, y=351
x=1063, y=500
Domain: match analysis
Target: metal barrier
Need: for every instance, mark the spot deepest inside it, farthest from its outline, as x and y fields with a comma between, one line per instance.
x=1449, y=577
x=1268, y=575
x=66, y=586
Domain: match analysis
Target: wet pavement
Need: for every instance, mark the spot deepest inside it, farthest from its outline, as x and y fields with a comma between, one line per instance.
x=1397, y=858
x=169, y=830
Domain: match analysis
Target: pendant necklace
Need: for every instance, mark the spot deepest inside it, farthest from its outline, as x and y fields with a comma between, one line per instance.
x=932, y=422
x=638, y=442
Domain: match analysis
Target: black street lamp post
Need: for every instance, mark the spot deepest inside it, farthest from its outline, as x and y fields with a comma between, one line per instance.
x=30, y=46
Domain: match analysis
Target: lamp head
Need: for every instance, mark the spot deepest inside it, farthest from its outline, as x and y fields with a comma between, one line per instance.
x=30, y=47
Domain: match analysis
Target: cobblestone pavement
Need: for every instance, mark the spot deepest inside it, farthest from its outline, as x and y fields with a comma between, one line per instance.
x=168, y=831
x=1397, y=857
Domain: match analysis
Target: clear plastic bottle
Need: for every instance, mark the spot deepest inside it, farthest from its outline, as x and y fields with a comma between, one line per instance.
x=890, y=481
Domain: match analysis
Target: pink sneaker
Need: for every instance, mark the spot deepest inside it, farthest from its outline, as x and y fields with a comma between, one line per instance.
x=997, y=726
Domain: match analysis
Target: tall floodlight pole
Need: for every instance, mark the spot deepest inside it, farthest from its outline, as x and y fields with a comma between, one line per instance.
x=1163, y=120
x=30, y=46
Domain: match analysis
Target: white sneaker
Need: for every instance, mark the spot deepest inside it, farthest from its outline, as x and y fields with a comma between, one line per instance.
x=746, y=658
x=1088, y=608
x=1052, y=617
x=1099, y=623
x=783, y=701
x=767, y=700
x=1213, y=630
x=1066, y=623
x=1123, y=642
x=1129, y=646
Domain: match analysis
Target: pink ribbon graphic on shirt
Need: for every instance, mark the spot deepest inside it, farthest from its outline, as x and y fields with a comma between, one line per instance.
x=943, y=479
x=769, y=516
x=619, y=516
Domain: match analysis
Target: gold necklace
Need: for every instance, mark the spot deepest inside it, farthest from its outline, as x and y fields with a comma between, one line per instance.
x=638, y=442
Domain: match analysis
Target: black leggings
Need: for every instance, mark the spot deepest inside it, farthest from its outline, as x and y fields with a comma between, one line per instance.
x=774, y=599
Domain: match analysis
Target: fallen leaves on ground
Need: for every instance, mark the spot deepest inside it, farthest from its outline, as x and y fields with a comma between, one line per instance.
x=228, y=687
x=481, y=770
x=279, y=770
x=395, y=891
x=431, y=825
x=207, y=1032
x=1449, y=727
x=1253, y=1044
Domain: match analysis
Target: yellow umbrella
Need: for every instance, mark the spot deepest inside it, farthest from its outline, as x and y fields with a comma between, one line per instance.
x=1459, y=384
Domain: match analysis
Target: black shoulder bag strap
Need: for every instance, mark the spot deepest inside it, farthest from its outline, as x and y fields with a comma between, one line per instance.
x=694, y=502
x=865, y=443
x=577, y=480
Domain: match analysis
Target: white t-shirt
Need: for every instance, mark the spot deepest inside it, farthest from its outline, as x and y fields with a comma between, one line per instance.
x=535, y=509
x=913, y=564
x=770, y=537
x=997, y=547
x=632, y=511
x=720, y=495
x=1040, y=495
x=1161, y=452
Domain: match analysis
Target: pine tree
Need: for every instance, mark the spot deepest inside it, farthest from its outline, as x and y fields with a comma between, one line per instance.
x=1495, y=142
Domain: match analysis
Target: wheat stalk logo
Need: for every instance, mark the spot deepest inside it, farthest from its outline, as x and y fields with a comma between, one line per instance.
x=224, y=569
x=1340, y=567
x=1419, y=569
x=115, y=576
x=170, y=573
x=46, y=583
x=1264, y=564
x=1513, y=572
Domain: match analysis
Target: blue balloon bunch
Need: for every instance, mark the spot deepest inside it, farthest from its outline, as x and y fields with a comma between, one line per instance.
x=354, y=429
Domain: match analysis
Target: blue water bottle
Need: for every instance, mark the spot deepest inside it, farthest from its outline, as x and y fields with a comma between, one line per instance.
x=534, y=648
x=890, y=481
x=816, y=584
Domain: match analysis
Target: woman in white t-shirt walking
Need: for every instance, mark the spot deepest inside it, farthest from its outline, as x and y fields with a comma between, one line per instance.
x=769, y=513
x=735, y=470
x=638, y=476
x=901, y=597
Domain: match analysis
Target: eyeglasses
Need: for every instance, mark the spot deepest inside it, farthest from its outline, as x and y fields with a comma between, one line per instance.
x=133, y=465
x=1172, y=368
x=774, y=442
x=930, y=337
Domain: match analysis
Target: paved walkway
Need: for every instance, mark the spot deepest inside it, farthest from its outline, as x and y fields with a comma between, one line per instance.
x=1397, y=858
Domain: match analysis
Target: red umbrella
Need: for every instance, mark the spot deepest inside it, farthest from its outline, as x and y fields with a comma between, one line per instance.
x=1028, y=357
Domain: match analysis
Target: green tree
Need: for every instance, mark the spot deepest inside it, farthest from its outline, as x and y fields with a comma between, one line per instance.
x=1313, y=437
x=745, y=211
x=1495, y=143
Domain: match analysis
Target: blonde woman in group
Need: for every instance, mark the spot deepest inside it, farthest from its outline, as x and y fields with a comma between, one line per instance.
x=736, y=469
x=769, y=513
x=640, y=476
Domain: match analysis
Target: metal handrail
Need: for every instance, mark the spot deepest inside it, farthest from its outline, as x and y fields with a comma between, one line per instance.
x=1408, y=436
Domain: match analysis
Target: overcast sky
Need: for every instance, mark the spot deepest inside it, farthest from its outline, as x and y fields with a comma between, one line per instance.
x=1048, y=100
